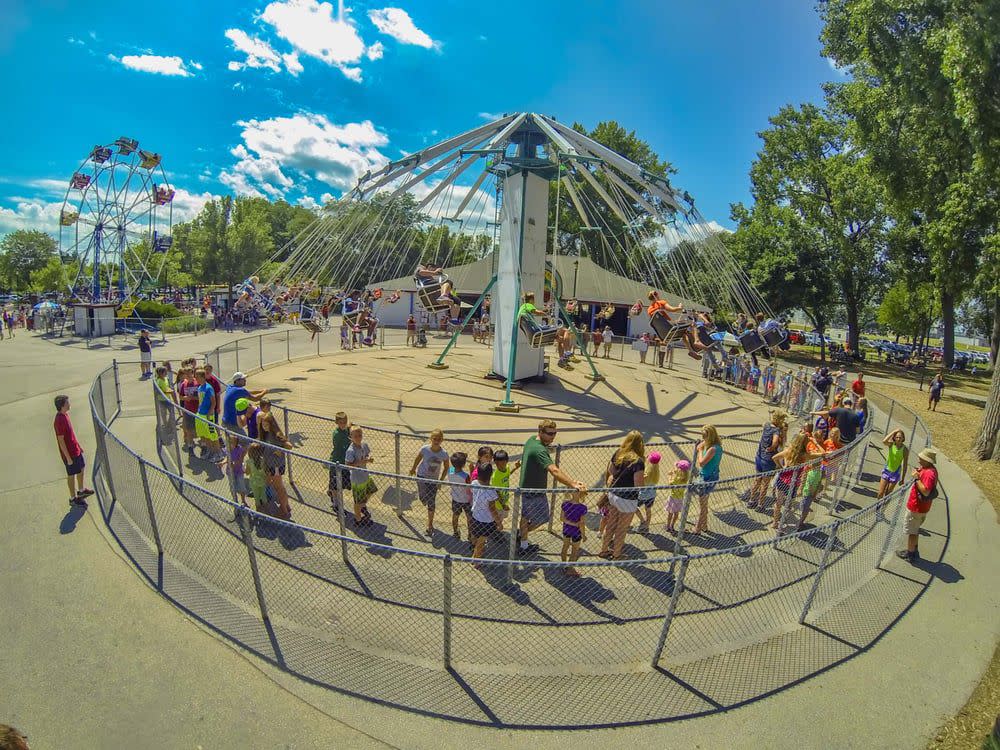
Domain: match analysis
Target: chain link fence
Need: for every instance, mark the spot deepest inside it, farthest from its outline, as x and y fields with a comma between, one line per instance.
x=361, y=607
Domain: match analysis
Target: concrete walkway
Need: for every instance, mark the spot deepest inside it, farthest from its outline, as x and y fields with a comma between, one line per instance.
x=94, y=658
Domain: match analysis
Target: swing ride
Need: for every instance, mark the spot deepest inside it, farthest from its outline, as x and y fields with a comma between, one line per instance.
x=115, y=222
x=519, y=191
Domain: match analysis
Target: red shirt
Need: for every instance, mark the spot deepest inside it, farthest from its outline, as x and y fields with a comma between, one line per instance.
x=858, y=386
x=657, y=305
x=64, y=427
x=917, y=502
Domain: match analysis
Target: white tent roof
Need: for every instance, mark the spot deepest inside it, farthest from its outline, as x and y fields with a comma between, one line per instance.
x=592, y=283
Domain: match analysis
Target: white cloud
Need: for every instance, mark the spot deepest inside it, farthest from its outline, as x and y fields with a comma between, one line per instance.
x=307, y=144
x=375, y=52
x=489, y=116
x=396, y=22
x=253, y=172
x=74, y=40
x=161, y=64
x=311, y=28
x=842, y=72
x=259, y=54
x=195, y=65
x=30, y=213
x=187, y=204
x=292, y=64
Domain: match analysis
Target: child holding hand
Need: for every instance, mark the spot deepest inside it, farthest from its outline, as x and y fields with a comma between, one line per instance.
x=647, y=495
x=574, y=513
x=675, y=503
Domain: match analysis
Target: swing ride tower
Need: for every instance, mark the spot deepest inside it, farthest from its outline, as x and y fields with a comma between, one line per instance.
x=524, y=179
x=494, y=184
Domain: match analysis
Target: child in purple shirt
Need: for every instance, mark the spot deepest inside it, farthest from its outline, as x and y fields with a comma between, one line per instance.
x=574, y=513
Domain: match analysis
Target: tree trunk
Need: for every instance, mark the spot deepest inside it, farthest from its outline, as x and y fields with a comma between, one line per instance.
x=985, y=446
x=948, y=318
x=852, y=324
x=995, y=337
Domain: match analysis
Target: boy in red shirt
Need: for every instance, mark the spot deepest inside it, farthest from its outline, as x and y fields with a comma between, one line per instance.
x=70, y=452
x=922, y=494
x=858, y=387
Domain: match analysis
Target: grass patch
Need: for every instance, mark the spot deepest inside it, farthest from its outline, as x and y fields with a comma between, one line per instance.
x=954, y=426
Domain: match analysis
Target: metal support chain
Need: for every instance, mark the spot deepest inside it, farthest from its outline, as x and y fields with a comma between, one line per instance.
x=515, y=522
x=149, y=508
x=671, y=609
x=118, y=388
x=553, y=496
x=446, y=611
x=243, y=519
x=399, y=487
x=341, y=520
x=830, y=541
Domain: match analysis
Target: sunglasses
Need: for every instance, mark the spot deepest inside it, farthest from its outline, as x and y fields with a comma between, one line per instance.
x=551, y=433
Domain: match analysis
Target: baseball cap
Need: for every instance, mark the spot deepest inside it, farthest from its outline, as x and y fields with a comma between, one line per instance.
x=239, y=376
x=242, y=404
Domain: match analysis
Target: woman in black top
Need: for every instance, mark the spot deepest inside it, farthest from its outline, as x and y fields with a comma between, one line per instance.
x=624, y=477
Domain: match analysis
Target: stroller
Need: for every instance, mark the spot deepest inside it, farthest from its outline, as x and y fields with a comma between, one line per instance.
x=422, y=337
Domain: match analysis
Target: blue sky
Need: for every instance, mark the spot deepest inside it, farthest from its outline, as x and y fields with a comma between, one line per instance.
x=289, y=98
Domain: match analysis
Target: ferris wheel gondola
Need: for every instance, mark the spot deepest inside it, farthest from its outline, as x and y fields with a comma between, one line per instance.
x=115, y=222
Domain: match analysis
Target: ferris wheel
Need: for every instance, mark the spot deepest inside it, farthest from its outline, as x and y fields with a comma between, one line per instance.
x=115, y=221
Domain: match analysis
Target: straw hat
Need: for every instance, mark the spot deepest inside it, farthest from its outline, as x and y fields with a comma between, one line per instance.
x=929, y=455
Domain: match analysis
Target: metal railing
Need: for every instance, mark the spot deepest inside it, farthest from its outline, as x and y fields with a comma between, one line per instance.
x=317, y=601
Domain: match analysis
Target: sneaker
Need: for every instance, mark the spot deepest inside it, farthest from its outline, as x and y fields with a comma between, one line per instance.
x=85, y=492
x=905, y=554
x=79, y=501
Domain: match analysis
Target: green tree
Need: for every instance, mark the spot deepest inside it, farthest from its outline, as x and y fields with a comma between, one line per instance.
x=54, y=276
x=787, y=261
x=909, y=308
x=23, y=252
x=923, y=95
x=810, y=186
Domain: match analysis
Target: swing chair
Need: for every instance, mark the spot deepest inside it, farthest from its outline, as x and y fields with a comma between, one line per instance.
x=429, y=292
x=539, y=335
x=666, y=329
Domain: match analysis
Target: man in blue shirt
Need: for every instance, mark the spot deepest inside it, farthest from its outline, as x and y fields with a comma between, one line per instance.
x=234, y=392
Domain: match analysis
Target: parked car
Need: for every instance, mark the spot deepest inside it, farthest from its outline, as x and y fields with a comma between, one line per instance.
x=796, y=337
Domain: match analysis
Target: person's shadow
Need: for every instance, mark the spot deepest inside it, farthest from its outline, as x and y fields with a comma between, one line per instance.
x=70, y=520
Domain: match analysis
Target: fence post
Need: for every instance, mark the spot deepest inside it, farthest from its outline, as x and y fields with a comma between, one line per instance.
x=288, y=456
x=260, y=350
x=237, y=345
x=149, y=508
x=819, y=571
x=446, y=611
x=893, y=525
x=552, y=496
x=340, y=509
x=864, y=456
x=671, y=608
x=159, y=416
x=888, y=420
x=793, y=488
x=515, y=520
x=243, y=516
x=288, y=346
x=118, y=388
x=399, y=488
x=682, y=521
x=913, y=434
x=177, y=438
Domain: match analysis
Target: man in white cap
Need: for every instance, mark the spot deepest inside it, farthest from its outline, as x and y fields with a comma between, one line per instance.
x=922, y=494
x=237, y=389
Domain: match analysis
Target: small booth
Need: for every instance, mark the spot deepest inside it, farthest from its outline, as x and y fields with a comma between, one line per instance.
x=94, y=318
